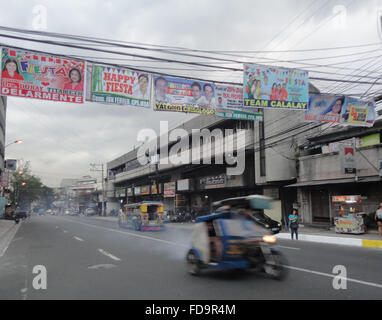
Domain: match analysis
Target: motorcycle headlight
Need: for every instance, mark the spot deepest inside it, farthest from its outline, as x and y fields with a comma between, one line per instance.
x=269, y=239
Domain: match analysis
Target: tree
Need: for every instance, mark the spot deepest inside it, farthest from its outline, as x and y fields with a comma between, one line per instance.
x=28, y=188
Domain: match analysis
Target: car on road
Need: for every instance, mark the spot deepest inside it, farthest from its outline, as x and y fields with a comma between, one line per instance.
x=21, y=214
x=90, y=212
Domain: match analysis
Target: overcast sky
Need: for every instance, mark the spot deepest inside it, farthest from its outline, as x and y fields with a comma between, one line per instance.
x=62, y=139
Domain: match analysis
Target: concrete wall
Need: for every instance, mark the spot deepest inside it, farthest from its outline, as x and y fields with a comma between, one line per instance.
x=328, y=166
x=284, y=131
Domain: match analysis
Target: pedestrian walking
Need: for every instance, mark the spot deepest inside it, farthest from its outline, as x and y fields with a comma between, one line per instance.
x=293, y=223
x=378, y=218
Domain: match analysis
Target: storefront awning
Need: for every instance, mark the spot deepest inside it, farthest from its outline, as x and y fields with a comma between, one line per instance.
x=335, y=181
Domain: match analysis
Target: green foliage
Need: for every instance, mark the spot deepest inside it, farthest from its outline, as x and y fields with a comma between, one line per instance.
x=28, y=188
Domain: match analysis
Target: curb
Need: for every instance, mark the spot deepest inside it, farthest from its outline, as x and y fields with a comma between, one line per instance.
x=335, y=240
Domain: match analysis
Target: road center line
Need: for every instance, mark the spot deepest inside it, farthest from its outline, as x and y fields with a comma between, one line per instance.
x=333, y=276
x=77, y=238
x=109, y=255
x=130, y=234
x=291, y=248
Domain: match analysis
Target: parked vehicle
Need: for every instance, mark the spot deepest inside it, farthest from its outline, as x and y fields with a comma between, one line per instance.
x=21, y=215
x=257, y=214
x=90, y=212
x=143, y=216
x=232, y=240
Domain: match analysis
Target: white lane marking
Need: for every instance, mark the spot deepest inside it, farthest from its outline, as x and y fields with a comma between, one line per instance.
x=131, y=234
x=109, y=255
x=24, y=293
x=77, y=238
x=102, y=266
x=7, y=239
x=291, y=248
x=56, y=227
x=332, y=276
x=65, y=231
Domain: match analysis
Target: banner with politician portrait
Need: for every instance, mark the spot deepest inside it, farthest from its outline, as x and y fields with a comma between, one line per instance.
x=229, y=97
x=324, y=108
x=275, y=88
x=41, y=76
x=356, y=112
x=183, y=95
x=120, y=86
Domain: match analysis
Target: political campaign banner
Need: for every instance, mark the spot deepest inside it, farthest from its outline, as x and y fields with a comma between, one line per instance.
x=356, y=112
x=229, y=97
x=238, y=114
x=39, y=76
x=183, y=95
x=324, y=108
x=120, y=86
x=275, y=88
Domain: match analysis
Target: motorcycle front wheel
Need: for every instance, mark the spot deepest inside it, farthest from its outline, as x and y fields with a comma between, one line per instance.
x=275, y=266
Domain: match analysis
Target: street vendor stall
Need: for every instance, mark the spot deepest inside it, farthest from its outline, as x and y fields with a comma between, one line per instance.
x=349, y=215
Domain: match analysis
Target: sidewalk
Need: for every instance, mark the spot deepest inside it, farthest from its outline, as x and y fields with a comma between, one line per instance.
x=8, y=229
x=370, y=239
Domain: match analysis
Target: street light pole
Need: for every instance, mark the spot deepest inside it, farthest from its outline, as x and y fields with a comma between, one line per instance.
x=16, y=141
x=94, y=165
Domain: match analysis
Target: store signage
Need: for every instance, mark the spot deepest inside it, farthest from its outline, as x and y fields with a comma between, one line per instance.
x=183, y=185
x=169, y=190
x=137, y=191
x=120, y=193
x=347, y=156
x=346, y=198
x=239, y=115
x=213, y=182
x=370, y=140
x=145, y=190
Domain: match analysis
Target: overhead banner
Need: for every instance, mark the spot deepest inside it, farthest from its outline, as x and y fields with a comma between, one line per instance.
x=275, y=88
x=358, y=112
x=239, y=115
x=39, y=76
x=340, y=109
x=324, y=108
x=182, y=95
x=229, y=97
x=120, y=86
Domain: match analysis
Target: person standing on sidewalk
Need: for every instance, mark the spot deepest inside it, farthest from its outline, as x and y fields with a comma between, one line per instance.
x=293, y=223
x=378, y=218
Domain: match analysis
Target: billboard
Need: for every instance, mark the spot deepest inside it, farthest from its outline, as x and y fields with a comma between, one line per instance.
x=229, y=97
x=324, y=108
x=183, y=95
x=358, y=112
x=275, y=88
x=120, y=86
x=340, y=109
x=40, y=76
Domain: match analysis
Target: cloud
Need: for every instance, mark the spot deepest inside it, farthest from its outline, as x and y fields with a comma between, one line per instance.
x=61, y=139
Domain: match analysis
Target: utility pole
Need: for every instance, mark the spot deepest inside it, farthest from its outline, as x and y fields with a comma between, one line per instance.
x=94, y=168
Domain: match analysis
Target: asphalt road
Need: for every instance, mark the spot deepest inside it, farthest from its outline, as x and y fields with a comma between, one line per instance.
x=91, y=259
